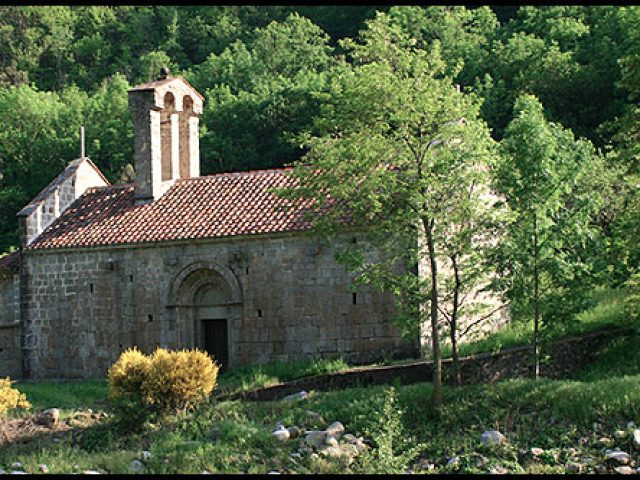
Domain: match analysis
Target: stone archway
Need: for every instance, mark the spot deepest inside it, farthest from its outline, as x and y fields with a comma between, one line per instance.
x=207, y=303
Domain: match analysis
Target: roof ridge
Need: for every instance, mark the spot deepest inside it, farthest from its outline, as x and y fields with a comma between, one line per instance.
x=241, y=173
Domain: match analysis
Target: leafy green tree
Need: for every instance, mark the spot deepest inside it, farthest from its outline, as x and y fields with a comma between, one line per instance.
x=390, y=135
x=547, y=178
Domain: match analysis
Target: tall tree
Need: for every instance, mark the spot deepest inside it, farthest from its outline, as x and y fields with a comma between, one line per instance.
x=391, y=135
x=547, y=178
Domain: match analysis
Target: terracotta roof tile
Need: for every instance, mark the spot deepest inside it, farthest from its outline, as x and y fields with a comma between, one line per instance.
x=214, y=206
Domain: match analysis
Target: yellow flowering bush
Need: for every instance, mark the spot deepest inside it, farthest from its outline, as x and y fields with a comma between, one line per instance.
x=165, y=380
x=10, y=398
x=128, y=373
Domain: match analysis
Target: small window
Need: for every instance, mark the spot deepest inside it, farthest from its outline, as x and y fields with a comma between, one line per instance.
x=246, y=270
x=91, y=287
x=259, y=313
x=354, y=240
x=131, y=278
x=150, y=318
x=354, y=298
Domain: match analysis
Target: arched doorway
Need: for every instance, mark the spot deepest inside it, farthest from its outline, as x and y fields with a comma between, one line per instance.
x=207, y=301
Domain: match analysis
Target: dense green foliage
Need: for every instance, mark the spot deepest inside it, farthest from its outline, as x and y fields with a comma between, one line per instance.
x=274, y=76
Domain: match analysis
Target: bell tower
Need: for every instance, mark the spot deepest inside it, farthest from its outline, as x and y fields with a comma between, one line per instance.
x=166, y=134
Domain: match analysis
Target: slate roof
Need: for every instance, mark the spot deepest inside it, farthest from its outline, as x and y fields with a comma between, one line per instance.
x=10, y=263
x=222, y=205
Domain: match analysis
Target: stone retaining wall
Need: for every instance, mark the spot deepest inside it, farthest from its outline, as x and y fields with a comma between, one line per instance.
x=566, y=356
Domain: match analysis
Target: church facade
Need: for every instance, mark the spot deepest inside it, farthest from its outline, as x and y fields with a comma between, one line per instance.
x=178, y=260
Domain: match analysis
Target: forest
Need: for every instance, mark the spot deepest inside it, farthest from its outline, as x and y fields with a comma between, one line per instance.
x=269, y=77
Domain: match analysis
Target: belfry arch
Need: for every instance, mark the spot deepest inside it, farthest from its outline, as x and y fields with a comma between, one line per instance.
x=207, y=304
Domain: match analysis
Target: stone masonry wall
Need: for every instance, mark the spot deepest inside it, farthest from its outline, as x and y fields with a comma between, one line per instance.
x=9, y=325
x=83, y=308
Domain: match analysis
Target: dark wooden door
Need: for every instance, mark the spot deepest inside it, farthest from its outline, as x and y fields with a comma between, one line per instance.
x=215, y=341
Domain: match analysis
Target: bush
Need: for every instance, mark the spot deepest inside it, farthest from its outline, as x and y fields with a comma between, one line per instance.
x=164, y=381
x=11, y=398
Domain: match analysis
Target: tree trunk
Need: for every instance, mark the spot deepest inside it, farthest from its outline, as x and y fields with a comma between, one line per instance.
x=536, y=300
x=435, y=336
x=457, y=378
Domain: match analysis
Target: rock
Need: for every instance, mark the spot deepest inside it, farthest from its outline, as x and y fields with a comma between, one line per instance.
x=17, y=472
x=617, y=456
x=331, y=440
x=273, y=472
x=48, y=418
x=636, y=439
x=205, y=472
x=315, y=418
x=536, y=452
x=481, y=461
x=281, y=434
x=336, y=428
x=16, y=465
x=296, y=455
x=136, y=467
x=625, y=470
x=619, y=434
x=331, y=451
x=146, y=455
x=499, y=470
x=631, y=424
x=349, y=438
x=91, y=472
x=600, y=469
x=294, y=397
x=294, y=432
x=315, y=438
x=605, y=441
x=43, y=468
x=492, y=437
x=574, y=467
x=424, y=464
x=453, y=462
x=583, y=440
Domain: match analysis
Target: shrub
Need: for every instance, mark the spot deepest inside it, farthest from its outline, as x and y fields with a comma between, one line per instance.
x=164, y=381
x=11, y=398
x=128, y=373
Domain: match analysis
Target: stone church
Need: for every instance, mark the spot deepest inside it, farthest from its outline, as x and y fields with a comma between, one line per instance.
x=177, y=260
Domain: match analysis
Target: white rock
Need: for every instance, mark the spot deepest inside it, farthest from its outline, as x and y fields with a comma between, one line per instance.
x=294, y=397
x=349, y=438
x=453, y=462
x=136, y=467
x=281, y=434
x=536, y=452
x=625, y=470
x=273, y=472
x=146, y=455
x=498, y=470
x=331, y=440
x=631, y=424
x=205, y=472
x=16, y=465
x=619, y=434
x=492, y=437
x=636, y=439
x=619, y=457
x=43, y=468
x=17, y=472
x=332, y=451
x=91, y=472
x=336, y=428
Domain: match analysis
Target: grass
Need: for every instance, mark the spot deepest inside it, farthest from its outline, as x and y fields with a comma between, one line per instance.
x=565, y=417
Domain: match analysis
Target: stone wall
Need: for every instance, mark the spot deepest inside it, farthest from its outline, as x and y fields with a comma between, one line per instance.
x=566, y=356
x=9, y=325
x=288, y=300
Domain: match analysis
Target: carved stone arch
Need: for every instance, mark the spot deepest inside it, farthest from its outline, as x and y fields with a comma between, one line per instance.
x=206, y=272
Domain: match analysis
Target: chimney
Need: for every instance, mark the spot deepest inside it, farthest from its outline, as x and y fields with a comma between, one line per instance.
x=166, y=134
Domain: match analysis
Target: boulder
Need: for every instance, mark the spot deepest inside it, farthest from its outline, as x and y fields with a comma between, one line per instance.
x=136, y=467
x=625, y=470
x=282, y=434
x=48, y=418
x=636, y=439
x=619, y=457
x=536, y=452
x=574, y=467
x=336, y=428
x=499, y=470
x=492, y=437
x=294, y=397
x=315, y=438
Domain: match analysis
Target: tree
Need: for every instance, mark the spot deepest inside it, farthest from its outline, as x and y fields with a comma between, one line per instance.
x=547, y=178
x=391, y=134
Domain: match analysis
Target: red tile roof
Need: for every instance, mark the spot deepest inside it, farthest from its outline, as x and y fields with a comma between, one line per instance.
x=10, y=263
x=214, y=206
